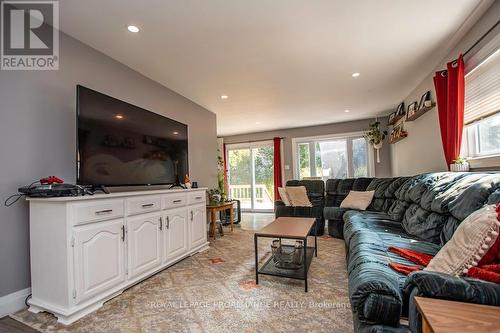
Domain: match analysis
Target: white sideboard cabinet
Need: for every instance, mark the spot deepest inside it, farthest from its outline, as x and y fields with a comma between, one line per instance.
x=86, y=250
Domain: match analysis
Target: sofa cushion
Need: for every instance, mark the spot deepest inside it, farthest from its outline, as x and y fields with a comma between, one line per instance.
x=298, y=196
x=284, y=196
x=423, y=224
x=359, y=200
x=475, y=235
x=315, y=190
x=432, y=205
x=384, y=196
x=337, y=189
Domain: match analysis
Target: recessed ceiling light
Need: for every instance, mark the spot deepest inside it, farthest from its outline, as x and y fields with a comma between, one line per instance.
x=119, y=116
x=224, y=97
x=175, y=133
x=347, y=110
x=133, y=28
x=356, y=74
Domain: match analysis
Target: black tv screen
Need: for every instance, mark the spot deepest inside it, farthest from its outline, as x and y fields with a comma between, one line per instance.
x=120, y=144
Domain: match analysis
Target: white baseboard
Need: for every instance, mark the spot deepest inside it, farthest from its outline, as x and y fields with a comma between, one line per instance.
x=13, y=302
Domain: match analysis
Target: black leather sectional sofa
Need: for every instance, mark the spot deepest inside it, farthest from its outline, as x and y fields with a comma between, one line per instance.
x=419, y=213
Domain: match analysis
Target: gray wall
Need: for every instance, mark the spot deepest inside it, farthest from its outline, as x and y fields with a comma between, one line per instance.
x=37, y=135
x=422, y=150
x=382, y=169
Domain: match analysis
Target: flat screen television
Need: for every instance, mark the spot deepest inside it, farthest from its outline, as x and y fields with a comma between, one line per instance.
x=119, y=144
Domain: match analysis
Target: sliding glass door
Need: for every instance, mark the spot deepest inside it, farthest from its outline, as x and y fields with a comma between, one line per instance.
x=250, y=175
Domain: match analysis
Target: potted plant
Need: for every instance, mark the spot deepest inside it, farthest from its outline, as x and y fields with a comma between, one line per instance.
x=221, y=183
x=460, y=165
x=214, y=196
x=375, y=137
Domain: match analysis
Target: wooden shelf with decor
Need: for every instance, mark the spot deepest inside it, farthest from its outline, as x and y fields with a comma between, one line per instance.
x=420, y=112
x=395, y=120
x=393, y=141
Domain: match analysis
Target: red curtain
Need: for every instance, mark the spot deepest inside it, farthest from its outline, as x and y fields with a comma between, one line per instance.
x=226, y=185
x=449, y=85
x=278, y=180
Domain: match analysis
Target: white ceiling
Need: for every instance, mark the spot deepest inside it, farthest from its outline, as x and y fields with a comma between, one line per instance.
x=283, y=63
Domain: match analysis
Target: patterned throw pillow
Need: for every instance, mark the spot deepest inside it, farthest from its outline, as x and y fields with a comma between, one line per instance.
x=359, y=200
x=298, y=196
x=470, y=242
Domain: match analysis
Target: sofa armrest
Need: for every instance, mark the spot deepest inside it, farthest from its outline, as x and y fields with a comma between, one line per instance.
x=448, y=287
x=445, y=286
x=279, y=203
x=375, y=300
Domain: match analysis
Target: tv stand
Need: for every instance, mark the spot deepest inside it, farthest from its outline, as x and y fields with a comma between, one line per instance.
x=134, y=235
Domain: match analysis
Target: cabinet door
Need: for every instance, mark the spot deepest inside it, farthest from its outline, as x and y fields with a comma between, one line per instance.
x=176, y=232
x=198, y=225
x=144, y=244
x=99, y=258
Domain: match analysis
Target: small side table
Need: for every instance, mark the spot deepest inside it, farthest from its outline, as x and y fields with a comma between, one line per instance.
x=214, y=209
x=440, y=316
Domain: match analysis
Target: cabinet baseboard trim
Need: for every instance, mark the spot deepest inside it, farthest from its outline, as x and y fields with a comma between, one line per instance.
x=13, y=302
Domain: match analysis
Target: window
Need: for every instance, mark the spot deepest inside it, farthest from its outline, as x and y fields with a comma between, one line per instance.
x=481, y=137
x=332, y=157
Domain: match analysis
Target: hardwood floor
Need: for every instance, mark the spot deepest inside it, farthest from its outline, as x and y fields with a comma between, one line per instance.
x=9, y=325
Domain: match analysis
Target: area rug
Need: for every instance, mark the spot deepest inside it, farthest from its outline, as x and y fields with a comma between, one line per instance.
x=215, y=291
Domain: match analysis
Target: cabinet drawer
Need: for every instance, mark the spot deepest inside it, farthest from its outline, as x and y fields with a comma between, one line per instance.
x=174, y=200
x=98, y=210
x=195, y=198
x=143, y=204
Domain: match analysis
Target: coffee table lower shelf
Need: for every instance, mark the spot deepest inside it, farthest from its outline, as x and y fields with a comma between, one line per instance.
x=270, y=269
x=293, y=228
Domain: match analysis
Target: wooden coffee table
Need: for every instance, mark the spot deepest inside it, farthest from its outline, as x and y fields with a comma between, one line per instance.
x=288, y=228
x=440, y=316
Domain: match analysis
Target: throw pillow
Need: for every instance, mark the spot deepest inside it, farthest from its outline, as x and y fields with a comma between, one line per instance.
x=284, y=196
x=298, y=196
x=359, y=200
x=470, y=242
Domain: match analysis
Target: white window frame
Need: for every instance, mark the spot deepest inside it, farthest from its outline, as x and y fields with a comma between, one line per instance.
x=470, y=147
x=349, y=137
x=470, y=140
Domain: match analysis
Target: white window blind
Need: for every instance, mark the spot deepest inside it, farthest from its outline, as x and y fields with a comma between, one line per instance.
x=482, y=89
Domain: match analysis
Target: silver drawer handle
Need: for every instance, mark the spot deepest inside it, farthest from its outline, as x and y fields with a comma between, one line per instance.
x=177, y=201
x=147, y=205
x=102, y=212
x=198, y=198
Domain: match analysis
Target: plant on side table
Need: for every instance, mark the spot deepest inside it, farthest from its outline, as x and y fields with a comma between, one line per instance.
x=218, y=195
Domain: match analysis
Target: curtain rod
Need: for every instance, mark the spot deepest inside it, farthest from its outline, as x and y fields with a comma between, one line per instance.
x=481, y=38
x=250, y=141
